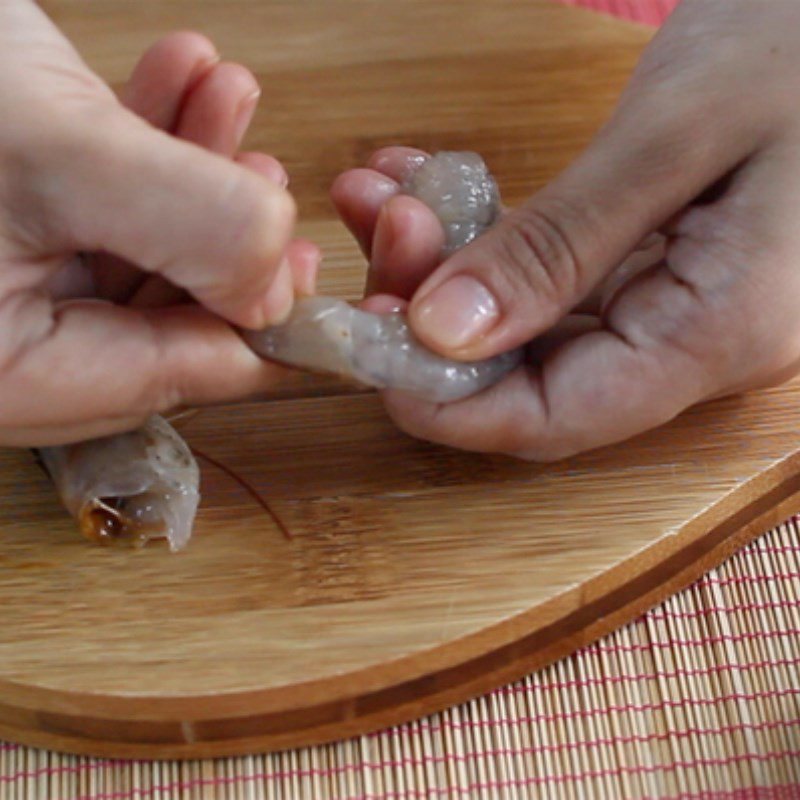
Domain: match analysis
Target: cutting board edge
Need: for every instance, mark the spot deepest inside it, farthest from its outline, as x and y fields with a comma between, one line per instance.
x=775, y=496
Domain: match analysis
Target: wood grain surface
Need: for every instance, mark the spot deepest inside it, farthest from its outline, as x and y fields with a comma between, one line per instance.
x=415, y=576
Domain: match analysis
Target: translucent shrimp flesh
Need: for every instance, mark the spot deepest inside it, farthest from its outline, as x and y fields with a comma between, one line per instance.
x=328, y=335
x=324, y=334
x=459, y=189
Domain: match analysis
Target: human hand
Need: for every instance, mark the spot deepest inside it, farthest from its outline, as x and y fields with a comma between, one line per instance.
x=80, y=173
x=704, y=148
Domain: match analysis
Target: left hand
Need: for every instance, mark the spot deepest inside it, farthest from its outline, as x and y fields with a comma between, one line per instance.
x=181, y=86
x=161, y=186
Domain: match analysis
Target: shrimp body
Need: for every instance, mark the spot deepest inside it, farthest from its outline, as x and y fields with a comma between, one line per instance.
x=459, y=189
x=324, y=334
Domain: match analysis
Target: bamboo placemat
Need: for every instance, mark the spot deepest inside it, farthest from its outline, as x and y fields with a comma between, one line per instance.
x=699, y=698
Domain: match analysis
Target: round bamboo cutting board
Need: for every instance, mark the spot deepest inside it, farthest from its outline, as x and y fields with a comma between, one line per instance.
x=412, y=577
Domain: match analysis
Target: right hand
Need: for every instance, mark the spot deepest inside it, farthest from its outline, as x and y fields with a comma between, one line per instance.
x=160, y=219
x=702, y=155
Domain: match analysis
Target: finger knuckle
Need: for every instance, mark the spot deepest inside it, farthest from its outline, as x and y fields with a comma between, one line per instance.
x=166, y=384
x=261, y=219
x=270, y=220
x=536, y=249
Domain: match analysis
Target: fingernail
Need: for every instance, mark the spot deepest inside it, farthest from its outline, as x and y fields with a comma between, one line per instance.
x=456, y=313
x=244, y=114
x=202, y=68
x=378, y=249
x=384, y=235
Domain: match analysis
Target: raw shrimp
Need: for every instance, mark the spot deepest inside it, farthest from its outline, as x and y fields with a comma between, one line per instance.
x=134, y=487
x=459, y=189
x=129, y=488
x=328, y=335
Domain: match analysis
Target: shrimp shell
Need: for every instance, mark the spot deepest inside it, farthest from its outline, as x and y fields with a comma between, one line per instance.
x=129, y=488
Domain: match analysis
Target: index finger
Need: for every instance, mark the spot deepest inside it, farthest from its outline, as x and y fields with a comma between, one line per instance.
x=111, y=366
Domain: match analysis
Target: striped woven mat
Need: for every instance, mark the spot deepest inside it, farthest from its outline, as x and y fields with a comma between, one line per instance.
x=699, y=698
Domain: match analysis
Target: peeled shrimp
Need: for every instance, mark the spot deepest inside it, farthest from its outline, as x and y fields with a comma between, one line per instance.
x=459, y=189
x=129, y=488
x=328, y=335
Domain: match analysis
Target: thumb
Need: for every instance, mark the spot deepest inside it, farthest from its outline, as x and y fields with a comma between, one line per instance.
x=521, y=277
x=205, y=223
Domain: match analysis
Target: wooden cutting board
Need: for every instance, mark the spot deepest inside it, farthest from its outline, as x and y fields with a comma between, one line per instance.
x=415, y=577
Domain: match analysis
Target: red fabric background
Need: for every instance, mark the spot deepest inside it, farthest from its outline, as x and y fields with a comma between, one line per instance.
x=650, y=12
